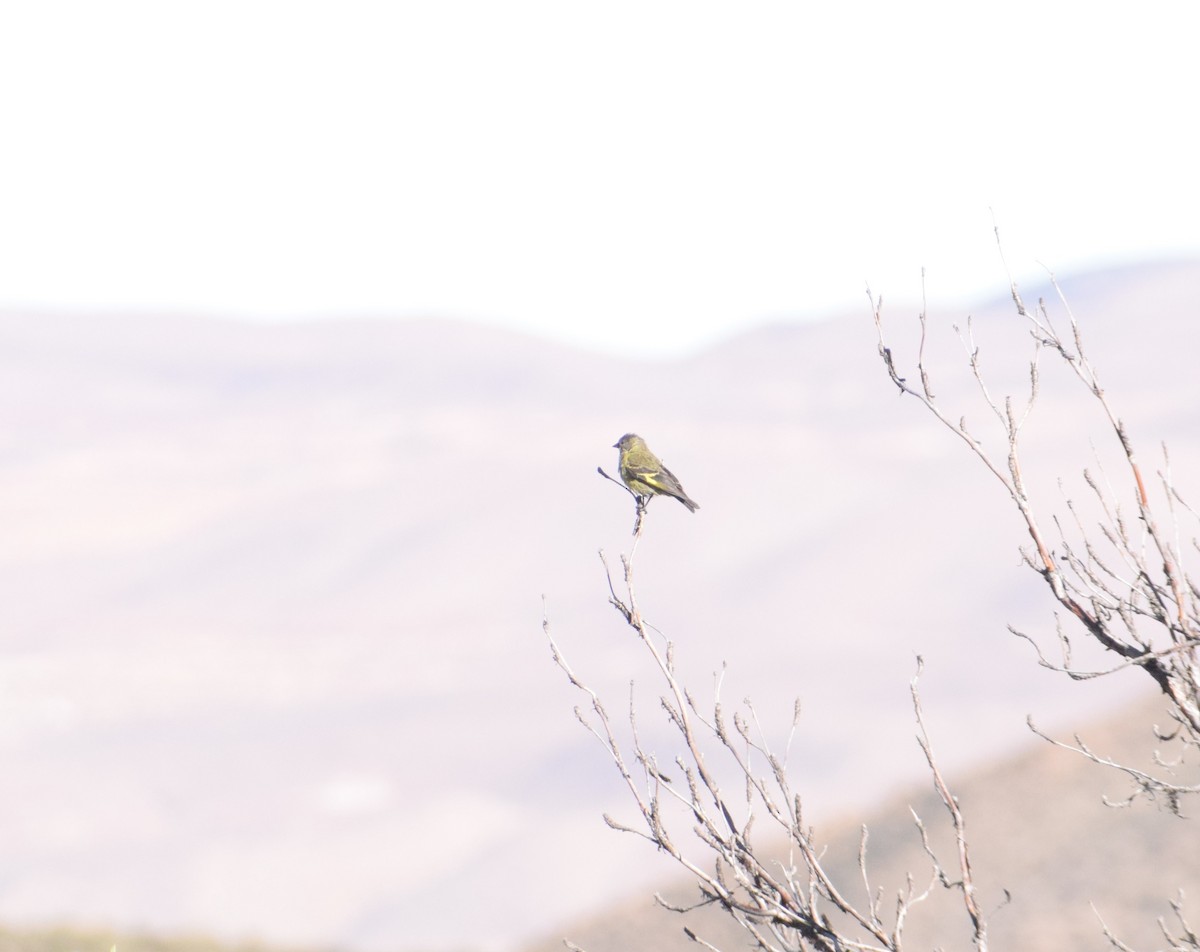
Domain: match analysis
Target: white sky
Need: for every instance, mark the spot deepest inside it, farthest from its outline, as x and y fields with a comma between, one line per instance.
x=640, y=176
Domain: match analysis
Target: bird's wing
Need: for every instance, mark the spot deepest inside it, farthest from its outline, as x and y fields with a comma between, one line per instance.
x=661, y=478
x=640, y=469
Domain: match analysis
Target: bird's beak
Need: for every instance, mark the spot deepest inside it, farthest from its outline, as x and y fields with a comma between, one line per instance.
x=616, y=446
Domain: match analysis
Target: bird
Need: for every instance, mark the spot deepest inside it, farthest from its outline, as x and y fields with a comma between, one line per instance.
x=644, y=473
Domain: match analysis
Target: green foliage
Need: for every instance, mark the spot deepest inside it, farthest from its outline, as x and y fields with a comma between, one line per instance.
x=67, y=939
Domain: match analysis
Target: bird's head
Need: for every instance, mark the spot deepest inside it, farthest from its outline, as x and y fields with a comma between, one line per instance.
x=628, y=440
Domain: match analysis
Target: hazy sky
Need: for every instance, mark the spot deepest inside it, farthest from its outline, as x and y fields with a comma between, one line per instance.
x=638, y=176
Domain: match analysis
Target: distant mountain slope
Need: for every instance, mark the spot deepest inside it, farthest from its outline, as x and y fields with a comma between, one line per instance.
x=271, y=659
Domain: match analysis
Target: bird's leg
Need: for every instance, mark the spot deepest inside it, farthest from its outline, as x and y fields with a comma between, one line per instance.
x=642, y=503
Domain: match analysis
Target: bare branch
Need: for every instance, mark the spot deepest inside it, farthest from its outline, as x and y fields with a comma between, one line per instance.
x=1124, y=583
x=967, y=882
x=785, y=907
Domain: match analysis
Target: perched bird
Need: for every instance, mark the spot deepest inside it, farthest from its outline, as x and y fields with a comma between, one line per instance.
x=644, y=473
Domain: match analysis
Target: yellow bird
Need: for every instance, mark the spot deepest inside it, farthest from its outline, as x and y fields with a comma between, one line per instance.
x=644, y=473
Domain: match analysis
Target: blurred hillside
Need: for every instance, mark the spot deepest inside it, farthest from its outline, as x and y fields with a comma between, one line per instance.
x=271, y=659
